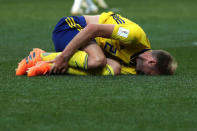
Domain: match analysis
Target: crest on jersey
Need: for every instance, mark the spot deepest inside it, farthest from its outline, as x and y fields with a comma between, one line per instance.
x=123, y=32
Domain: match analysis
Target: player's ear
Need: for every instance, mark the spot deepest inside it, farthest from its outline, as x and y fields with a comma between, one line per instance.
x=152, y=62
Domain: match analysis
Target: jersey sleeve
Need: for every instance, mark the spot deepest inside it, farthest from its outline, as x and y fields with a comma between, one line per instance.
x=127, y=33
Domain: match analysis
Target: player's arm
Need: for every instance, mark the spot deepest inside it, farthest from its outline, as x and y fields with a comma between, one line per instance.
x=127, y=34
x=87, y=34
x=81, y=40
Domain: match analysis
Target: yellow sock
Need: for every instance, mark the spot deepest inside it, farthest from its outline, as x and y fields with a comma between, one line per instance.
x=75, y=71
x=107, y=70
x=78, y=60
x=49, y=56
x=102, y=71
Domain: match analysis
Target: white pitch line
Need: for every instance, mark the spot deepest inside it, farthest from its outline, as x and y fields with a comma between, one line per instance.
x=195, y=43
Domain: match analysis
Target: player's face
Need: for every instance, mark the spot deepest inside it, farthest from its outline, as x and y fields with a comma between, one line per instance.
x=146, y=65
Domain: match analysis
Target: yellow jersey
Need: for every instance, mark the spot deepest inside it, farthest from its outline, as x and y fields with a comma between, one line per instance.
x=127, y=41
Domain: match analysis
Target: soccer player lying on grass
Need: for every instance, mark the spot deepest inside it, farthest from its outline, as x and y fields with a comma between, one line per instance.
x=99, y=38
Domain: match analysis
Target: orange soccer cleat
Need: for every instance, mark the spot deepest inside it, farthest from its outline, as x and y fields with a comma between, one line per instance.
x=29, y=61
x=41, y=68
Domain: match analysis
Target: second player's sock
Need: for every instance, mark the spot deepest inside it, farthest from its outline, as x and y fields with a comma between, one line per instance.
x=107, y=70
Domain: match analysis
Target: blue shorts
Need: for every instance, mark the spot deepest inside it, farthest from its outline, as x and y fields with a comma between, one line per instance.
x=65, y=31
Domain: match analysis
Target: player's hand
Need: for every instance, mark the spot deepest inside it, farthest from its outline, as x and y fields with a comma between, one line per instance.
x=60, y=65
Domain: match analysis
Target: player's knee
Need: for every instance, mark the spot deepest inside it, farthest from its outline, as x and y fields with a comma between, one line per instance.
x=98, y=61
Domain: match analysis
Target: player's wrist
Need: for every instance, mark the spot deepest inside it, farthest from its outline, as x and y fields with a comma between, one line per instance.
x=64, y=57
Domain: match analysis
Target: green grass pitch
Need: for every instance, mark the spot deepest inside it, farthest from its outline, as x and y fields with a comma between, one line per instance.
x=142, y=103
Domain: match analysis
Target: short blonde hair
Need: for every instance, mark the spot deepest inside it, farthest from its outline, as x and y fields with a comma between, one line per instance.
x=166, y=63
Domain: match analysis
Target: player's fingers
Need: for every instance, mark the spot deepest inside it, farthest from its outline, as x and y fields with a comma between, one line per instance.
x=57, y=71
x=50, y=61
x=52, y=70
x=63, y=71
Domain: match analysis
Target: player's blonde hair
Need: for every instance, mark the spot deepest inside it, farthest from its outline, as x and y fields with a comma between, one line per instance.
x=166, y=63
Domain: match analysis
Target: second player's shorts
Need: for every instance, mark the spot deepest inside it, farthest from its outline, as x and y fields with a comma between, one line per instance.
x=66, y=29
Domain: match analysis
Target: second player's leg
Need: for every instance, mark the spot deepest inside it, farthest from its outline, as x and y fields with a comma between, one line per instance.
x=114, y=65
x=91, y=57
x=96, y=57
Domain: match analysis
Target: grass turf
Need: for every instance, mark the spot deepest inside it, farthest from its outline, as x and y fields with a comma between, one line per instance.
x=95, y=102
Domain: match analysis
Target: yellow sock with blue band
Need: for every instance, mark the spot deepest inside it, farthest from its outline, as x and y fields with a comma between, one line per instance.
x=78, y=64
x=78, y=60
x=49, y=56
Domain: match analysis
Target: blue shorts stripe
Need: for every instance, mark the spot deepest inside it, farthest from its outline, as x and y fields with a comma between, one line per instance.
x=66, y=29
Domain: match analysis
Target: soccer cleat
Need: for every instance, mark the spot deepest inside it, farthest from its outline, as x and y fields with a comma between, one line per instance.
x=84, y=4
x=75, y=12
x=101, y=4
x=29, y=61
x=41, y=68
x=76, y=8
x=91, y=9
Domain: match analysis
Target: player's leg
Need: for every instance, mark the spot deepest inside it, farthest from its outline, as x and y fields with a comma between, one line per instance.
x=76, y=8
x=84, y=4
x=96, y=57
x=92, y=8
x=78, y=60
x=92, y=57
x=112, y=68
x=92, y=60
x=96, y=61
x=102, y=3
x=42, y=68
